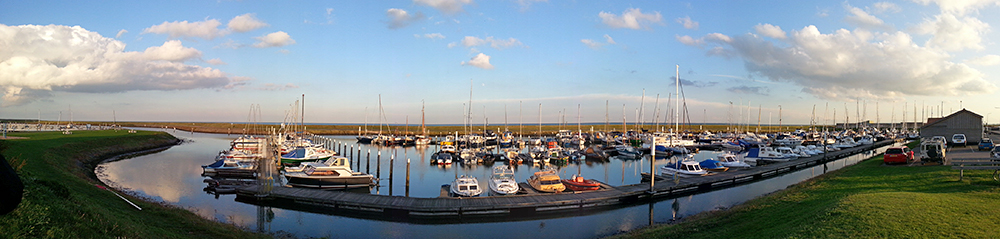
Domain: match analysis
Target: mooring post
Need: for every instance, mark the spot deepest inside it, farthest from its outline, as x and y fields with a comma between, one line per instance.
x=368, y=163
x=392, y=159
x=378, y=166
x=407, y=177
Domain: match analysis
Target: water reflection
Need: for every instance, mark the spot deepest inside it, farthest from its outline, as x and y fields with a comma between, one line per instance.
x=173, y=176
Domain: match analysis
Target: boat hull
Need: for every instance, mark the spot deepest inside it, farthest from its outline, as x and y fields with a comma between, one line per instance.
x=330, y=182
x=586, y=185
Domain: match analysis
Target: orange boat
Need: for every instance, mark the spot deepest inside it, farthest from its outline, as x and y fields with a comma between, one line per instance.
x=578, y=183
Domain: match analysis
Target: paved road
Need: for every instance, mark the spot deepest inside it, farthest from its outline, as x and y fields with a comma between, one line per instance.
x=971, y=151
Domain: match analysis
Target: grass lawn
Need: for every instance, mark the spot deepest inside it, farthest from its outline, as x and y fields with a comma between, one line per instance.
x=866, y=200
x=61, y=199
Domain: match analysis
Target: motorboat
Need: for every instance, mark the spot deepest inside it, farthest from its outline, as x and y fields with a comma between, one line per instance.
x=304, y=154
x=787, y=151
x=765, y=154
x=546, y=181
x=685, y=168
x=628, y=151
x=465, y=186
x=730, y=160
x=230, y=167
x=502, y=181
x=578, y=183
x=337, y=174
x=442, y=158
x=713, y=165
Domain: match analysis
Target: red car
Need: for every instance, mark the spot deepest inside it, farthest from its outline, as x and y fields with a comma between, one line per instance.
x=898, y=155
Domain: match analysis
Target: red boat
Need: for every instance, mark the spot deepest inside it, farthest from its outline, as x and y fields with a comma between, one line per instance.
x=578, y=183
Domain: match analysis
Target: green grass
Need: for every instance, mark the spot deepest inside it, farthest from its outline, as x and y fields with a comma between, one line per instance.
x=866, y=200
x=61, y=199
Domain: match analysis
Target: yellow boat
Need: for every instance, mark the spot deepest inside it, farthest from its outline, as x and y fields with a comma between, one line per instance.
x=546, y=181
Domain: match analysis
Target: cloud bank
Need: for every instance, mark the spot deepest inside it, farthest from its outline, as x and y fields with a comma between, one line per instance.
x=38, y=60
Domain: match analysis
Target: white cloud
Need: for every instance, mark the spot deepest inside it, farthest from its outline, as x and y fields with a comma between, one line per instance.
x=445, y=6
x=245, y=23
x=987, y=60
x=171, y=50
x=471, y=41
x=39, y=60
x=883, y=7
x=277, y=87
x=690, y=41
x=596, y=45
x=862, y=19
x=274, y=39
x=853, y=64
x=769, y=30
x=631, y=18
x=686, y=21
x=953, y=34
x=208, y=29
x=216, y=61
x=526, y=4
x=481, y=61
x=399, y=18
x=120, y=33
x=434, y=36
x=959, y=7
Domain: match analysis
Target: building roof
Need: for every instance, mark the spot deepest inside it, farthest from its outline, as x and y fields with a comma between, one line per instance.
x=931, y=122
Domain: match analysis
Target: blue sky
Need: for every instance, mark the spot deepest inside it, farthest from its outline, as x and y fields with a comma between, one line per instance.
x=210, y=61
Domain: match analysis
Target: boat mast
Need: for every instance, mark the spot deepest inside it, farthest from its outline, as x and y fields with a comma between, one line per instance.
x=539, y=121
x=469, y=116
x=423, y=125
x=677, y=105
x=303, y=113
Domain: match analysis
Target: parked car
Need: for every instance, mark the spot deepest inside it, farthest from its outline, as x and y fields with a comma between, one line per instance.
x=986, y=144
x=958, y=139
x=898, y=155
x=996, y=152
x=932, y=151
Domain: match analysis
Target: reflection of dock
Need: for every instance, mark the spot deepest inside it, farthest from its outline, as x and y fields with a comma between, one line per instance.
x=528, y=202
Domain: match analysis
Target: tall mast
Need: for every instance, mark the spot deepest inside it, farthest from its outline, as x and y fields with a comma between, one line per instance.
x=642, y=100
x=539, y=121
x=303, y=113
x=423, y=125
x=470, y=107
x=677, y=105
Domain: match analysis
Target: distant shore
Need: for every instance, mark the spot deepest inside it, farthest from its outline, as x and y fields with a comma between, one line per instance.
x=439, y=130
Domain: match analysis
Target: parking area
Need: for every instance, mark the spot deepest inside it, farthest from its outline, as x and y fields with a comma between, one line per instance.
x=969, y=152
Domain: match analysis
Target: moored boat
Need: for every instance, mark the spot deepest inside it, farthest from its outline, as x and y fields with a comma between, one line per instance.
x=502, y=181
x=336, y=175
x=578, y=183
x=546, y=181
x=684, y=168
x=713, y=165
x=465, y=186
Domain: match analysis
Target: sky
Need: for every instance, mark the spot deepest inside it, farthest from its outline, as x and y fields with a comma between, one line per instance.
x=797, y=62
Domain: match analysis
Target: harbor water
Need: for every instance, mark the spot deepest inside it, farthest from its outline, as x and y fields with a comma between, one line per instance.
x=173, y=176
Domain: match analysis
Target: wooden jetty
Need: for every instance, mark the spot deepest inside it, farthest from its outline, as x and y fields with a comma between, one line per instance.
x=527, y=204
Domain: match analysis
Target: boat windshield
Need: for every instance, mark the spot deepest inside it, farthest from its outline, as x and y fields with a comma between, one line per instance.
x=550, y=182
x=473, y=188
x=463, y=187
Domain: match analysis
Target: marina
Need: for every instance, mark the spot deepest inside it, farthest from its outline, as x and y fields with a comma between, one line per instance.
x=199, y=194
x=402, y=208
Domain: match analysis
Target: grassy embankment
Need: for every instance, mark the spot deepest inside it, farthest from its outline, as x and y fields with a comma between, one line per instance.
x=866, y=200
x=61, y=199
x=527, y=130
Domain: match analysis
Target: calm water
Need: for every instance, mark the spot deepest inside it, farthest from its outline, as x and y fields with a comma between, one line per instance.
x=174, y=176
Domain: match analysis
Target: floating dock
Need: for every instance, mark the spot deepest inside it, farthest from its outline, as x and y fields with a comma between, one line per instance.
x=526, y=204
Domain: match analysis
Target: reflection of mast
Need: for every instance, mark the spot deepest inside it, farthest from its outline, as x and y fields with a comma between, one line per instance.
x=264, y=217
